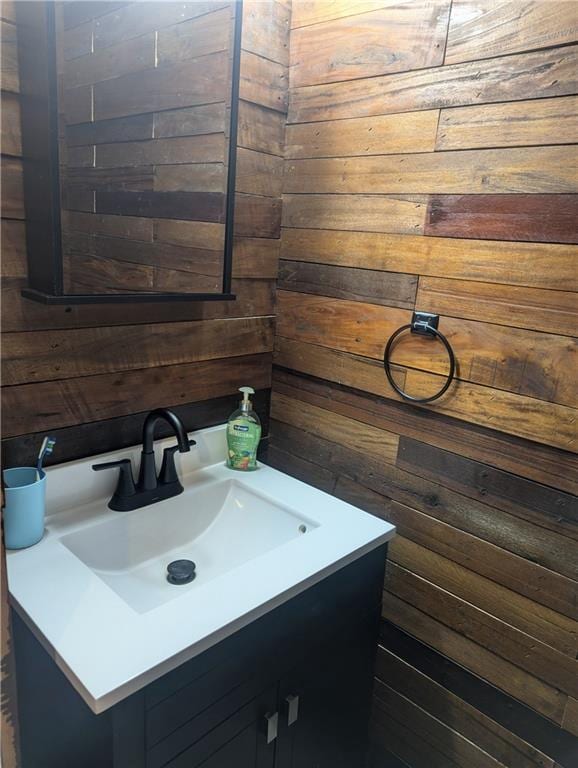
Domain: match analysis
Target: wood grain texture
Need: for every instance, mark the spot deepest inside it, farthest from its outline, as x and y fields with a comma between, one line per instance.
x=263, y=82
x=570, y=721
x=504, y=675
x=533, y=308
x=387, y=288
x=524, y=123
x=267, y=29
x=544, y=465
x=376, y=443
x=9, y=78
x=370, y=213
x=10, y=129
x=260, y=129
x=388, y=492
x=196, y=37
x=93, y=398
x=493, y=738
x=506, y=78
x=542, y=218
x=524, y=417
x=12, y=188
x=480, y=29
x=133, y=20
x=185, y=84
x=382, y=135
x=528, y=170
x=446, y=748
x=550, y=666
x=519, y=719
x=553, y=266
x=31, y=357
x=522, y=498
x=363, y=329
x=259, y=173
x=305, y=12
x=407, y=35
x=120, y=59
x=189, y=149
x=553, y=629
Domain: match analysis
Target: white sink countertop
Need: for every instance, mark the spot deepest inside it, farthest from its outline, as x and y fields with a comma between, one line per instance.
x=94, y=590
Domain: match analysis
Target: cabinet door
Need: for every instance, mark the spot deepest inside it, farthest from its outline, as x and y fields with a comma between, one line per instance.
x=325, y=704
x=240, y=741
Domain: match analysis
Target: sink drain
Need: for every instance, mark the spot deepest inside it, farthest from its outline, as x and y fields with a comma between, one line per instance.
x=181, y=572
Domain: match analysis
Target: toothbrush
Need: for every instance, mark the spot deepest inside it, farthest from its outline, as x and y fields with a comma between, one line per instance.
x=45, y=450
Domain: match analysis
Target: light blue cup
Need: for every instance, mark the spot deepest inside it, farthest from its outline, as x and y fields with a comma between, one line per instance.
x=24, y=493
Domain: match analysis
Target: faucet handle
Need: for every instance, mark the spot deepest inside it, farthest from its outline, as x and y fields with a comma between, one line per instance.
x=125, y=486
x=168, y=473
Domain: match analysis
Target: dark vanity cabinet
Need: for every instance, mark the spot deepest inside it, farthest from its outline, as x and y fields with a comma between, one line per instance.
x=290, y=690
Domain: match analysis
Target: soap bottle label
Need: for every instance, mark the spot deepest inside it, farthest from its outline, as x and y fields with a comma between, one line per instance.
x=243, y=440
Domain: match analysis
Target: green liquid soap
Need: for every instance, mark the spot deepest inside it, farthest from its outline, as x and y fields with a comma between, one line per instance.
x=243, y=435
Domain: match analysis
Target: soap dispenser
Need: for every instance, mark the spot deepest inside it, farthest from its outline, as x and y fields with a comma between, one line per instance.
x=243, y=434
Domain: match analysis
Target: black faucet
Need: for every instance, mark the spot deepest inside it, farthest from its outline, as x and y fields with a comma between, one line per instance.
x=149, y=488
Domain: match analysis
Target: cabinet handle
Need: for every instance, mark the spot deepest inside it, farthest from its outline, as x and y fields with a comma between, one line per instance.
x=272, y=722
x=292, y=708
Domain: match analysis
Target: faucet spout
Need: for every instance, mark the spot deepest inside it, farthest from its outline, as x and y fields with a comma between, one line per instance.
x=171, y=418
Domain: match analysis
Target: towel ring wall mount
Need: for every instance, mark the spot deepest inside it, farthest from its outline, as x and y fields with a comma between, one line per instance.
x=424, y=324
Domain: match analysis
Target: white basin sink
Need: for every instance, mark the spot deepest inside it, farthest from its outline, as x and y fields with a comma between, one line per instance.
x=220, y=527
x=94, y=590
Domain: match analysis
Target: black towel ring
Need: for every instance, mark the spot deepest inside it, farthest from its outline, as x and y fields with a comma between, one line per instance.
x=425, y=324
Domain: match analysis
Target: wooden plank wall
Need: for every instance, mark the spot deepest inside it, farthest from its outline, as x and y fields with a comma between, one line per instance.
x=87, y=374
x=430, y=165
x=68, y=367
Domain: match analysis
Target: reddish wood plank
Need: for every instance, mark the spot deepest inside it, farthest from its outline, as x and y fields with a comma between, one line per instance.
x=539, y=218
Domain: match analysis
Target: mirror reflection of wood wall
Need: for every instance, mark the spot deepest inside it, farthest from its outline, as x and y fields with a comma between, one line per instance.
x=144, y=93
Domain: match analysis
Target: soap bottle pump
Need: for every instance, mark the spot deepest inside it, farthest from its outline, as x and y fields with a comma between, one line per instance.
x=243, y=434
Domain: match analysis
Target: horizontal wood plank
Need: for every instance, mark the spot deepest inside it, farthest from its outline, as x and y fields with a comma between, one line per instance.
x=382, y=135
x=12, y=188
x=464, y=718
x=105, y=396
x=529, y=654
x=523, y=123
x=31, y=357
x=120, y=59
x=545, y=465
x=364, y=438
x=260, y=129
x=363, y=329
x=537, y=621
x=387, y=288
x=438, y=745
x=396, y=38
x=258, y=173
x=542, y=218
x=486, y=261
x=552, y=425
x=368, y=213
x=263, y=82
x=200, y=36
x=506, y=78
x=480, y=29
x=134, y=20
x=489, y=171
x=186, y=84
x=533, y=308
x=541, y=697
x=266, y=29
x=392, y=494
x=9, y=77
x=10, y=132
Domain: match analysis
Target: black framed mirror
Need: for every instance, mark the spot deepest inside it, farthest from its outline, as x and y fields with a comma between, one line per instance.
x=129, y=125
